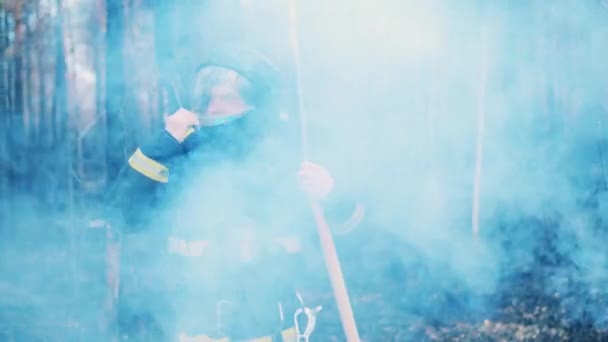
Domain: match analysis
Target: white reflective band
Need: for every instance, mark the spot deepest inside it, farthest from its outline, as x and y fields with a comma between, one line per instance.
x=182, y=247
x=149, y=167
x=353, y=221
x=197, y=248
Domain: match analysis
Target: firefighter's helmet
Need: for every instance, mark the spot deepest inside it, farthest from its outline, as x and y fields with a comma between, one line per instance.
x=256, y=68
x=263, y=83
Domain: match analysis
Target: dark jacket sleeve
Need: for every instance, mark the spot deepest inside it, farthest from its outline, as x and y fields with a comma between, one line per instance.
x=135, y=192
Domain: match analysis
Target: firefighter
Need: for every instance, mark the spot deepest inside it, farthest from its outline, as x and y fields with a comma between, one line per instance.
x=210, y=213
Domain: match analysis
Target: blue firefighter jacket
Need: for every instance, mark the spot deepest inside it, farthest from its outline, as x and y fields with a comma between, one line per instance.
x=205, y=224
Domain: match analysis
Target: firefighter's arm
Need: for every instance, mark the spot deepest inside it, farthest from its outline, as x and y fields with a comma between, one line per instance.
x=136, y=188
x=134, y=193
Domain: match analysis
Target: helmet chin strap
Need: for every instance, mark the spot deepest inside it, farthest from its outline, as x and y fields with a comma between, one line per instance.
x=216, y=120
x=209, y=121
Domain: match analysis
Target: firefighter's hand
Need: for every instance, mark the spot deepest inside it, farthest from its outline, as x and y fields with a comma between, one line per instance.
x=181, y=123
x=315, y=180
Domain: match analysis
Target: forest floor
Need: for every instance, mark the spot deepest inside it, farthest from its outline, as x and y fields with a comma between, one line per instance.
x=388, y=324
x=39, y=302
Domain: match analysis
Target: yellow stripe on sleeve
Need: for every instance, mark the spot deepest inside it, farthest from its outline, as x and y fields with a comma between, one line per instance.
x=188, y=132
x=149, y=167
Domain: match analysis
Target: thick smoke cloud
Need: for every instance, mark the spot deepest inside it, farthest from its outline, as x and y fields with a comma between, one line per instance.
x=393, y=92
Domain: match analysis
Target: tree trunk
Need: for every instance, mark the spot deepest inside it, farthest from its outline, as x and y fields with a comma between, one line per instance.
x=116, y=140
x=5, y=160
